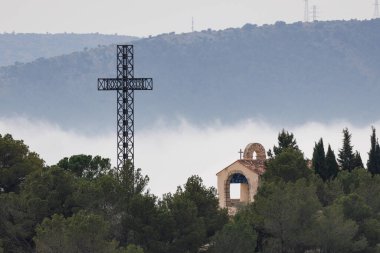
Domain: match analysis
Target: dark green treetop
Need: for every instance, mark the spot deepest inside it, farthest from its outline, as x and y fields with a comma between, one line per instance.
x=83, y=232
x=86, y=165
x=285, y=140
x=319, y=160
x=346, y=156
x=235, y=237
x=284, y=213
x=332, y=166
x=289, y=165
x=16, y=162
x=358, y=162
x=373, y=163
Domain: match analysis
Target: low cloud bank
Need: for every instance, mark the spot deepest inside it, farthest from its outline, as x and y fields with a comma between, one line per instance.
x=170, y=154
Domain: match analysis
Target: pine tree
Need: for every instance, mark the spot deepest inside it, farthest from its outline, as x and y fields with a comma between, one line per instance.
x=285, y=140
x=331, y=164
x=319, y=160
x=373, y=163
x=346, y=155
x=357, y=163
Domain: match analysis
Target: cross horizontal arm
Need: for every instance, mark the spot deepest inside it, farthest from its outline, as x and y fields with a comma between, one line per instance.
x=125, y=84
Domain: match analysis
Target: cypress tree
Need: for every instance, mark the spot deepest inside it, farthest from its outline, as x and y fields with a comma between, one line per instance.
x=373, y=163
x=377, y=157
x=346, y=155
x=319, y=160
x=357, y=163
x=331, y=163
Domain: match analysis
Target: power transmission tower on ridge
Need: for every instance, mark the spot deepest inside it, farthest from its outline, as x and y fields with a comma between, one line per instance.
x=306, y=12
x=315, y=13
x=376, y=13
x=125, y=84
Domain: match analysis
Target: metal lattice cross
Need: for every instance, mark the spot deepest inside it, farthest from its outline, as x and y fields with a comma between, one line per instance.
x=125, y=84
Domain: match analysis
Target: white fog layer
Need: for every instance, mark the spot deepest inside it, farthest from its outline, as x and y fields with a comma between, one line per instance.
x=169, y=155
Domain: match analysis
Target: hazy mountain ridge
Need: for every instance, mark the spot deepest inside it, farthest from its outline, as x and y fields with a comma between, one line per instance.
x=26, y=47
x=284, y=73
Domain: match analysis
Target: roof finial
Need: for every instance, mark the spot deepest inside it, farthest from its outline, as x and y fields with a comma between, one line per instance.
x=241, y=153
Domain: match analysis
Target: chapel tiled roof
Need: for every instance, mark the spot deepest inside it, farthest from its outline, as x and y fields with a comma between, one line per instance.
x=254, y=165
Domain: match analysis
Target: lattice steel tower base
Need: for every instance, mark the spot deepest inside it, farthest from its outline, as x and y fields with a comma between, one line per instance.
x=125, y=84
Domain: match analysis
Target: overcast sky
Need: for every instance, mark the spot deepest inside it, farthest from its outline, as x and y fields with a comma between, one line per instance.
x=151, y=17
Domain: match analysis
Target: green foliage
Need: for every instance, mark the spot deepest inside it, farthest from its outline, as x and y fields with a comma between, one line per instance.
x=284, y=214
x=334, y=233
x=319, y=160
x=139, y=220
x=194, y=216
x=354, y=207
x=132, y=181
x=44, y=193
x=325, y=165
x=373, y=163
x=332, y=166
x=289, y=165
x=66, y=209
x=357, y=162
x=346, y=156
x=86, y=165
x=363, y=184
x=16, y=162
x=235, y=237
x=206, y=202
x=49, y=191
x=133, y=249
x=350, y=181
x=99, y=195
x=16, y=228
x=328, y=191
x=370, y=228
x=83, y=232
x=190, y=229
x=285, y=141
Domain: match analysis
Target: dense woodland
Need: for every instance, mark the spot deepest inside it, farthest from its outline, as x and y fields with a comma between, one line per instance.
x=328, y=205
x=254, y=71
x=18, y=48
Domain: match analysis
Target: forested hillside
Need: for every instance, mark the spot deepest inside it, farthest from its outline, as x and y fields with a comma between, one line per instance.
x=26, y=47
x=285, y=73
x=82, y=205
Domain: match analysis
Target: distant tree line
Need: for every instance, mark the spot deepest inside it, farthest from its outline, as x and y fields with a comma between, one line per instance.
x=80, y=204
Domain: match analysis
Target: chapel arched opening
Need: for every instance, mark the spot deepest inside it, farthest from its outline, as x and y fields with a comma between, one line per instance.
x=237, y=190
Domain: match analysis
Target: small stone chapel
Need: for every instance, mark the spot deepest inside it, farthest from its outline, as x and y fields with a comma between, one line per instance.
x=246, y=172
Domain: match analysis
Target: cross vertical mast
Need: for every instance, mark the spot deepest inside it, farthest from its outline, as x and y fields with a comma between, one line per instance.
x=125, y=84
x=125, y=107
